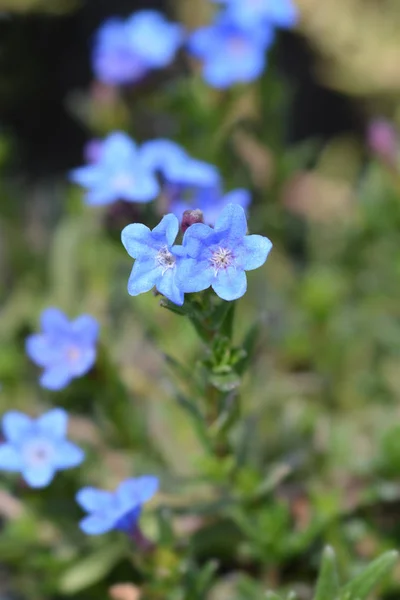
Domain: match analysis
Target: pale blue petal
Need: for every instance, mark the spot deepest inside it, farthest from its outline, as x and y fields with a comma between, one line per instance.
x=147, y=486
x=137, y=490
x=101, y=196
x=53, y=320
x=42, y=350
x=194, y=276
x=138, y=241
x=143, y=277
x=232, y=220
x=96, y=525
x=161, y=154
x=204, y=41
x=197, y=237
x=87, y=177
x=16, y=426
x=53, y=423
x=239, y=196
x=145, y=189
x=193, y=172
x=168, y=287
x=153, y=37
x=253, y=252
x=56, y=378
x=94, y=500
x=67, y=455
x=230, y=284
x=38, y=477
x=167, y=230
x=10, y=458
x=119, y=148
x=87, y=328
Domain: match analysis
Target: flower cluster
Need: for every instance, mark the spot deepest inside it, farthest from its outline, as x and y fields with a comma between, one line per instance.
x=125, y=50
x=233, y=48
x=209, y=256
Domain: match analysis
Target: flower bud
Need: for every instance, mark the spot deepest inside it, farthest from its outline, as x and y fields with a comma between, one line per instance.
x=191, y=216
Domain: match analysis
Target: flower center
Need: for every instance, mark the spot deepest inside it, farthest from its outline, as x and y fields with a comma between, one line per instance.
x=73, y=354
x=165, y=259
x=237, y=44
x=123, y=181
x=38, y=452
x=221, y=258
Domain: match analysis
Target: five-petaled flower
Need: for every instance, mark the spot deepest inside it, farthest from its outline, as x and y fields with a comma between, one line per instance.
x=156, y=261
x=230, y=51
x=116, y=510
x=276, y=13
x=219, y=256
x=66, y=349
x=37, y=448
x=118, y=174
x=125, y=50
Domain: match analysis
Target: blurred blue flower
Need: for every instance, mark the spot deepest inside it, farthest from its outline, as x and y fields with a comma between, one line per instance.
x=219, y=257
x=116, y=510
x=156, y=261
x=210, y=201
x=37, y=448
x=66, y=349
x=176, y=166
x=231, y=52
x=125, y=50
x=278, y=13
x=118, y=174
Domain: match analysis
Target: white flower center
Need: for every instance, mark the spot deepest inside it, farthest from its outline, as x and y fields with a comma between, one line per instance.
x=221, y=258
x=165, y=259
x=38, y=452
x=123, y=181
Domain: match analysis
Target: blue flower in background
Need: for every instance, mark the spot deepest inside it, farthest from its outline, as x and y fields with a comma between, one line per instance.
x=66, y=349
x=219, y=257
x=210, y=201
x=278, y=13
x=37, y=448
x=118, y=174
x=231, y=52
x=156, y=261
x=125, y=50
x=175, y=164
x=116, y=510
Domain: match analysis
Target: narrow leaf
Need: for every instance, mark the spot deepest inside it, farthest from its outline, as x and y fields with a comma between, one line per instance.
x=363, y=584
x=328, y=583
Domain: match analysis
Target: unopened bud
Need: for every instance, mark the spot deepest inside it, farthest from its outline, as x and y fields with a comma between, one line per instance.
x=190, y=217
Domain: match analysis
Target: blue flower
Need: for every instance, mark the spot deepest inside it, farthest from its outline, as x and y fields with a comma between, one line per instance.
x=231, y=53
x=125, y=50
x=116, y=510
x=37, y=448
x=210, y=201
x=175, y=164
x=278, y=13
x=156, y=261
x=118, y=174
x=219, y=257
x=65, y=349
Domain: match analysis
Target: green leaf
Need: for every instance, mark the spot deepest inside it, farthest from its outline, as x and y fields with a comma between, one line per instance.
x=273, y=596
x=91, y=569
x=328, y=583
x=363, y=584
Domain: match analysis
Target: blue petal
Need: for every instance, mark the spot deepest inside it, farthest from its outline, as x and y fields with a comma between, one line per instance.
x=87, y=328
x=136, y=491
x=194, y=276
x=147, y=486
x=239, y=196
x=38, y=477
x=253, y=252
x=233, y=221
x=96, y=524
x=55, y=378
x=53, y=423
x=230, y=284
x=161, y=154
x=193, y=172
x=42, y=350
x=100, y=196
x=153, y=37
x=128, y=520
x=204, y=41
x=168, y=287
x=197, y=237
x=143, y=277
x=67, y=455
x=145, y=188
x=119, y=148
x=167, y=230
x=10, y=458
x=138, y=241
x=88, y=177
x=94, y=500
x=53, y=320
x=83, y=363
x=16, y=426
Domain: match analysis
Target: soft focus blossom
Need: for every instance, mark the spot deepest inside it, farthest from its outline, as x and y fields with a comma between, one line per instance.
x=156, y=261
x=219, y=256
x=116, y=510
x=278, y=13
x=125, y=50
x=37, y=448
x=210, y=201
x=230, y=51
x=65, y=349
x=117, y=174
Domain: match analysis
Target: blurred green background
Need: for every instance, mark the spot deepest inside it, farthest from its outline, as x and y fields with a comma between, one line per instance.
x=319, y=438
